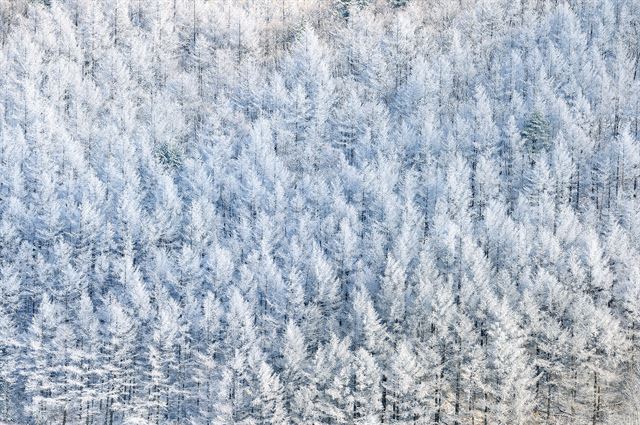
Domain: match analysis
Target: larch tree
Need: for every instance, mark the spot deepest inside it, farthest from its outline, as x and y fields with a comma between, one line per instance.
x=319, y=212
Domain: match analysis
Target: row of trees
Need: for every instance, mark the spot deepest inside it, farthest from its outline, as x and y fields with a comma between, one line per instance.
x=343, y=212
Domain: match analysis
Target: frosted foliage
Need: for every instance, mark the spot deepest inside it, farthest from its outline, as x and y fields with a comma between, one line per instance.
x=300, y=212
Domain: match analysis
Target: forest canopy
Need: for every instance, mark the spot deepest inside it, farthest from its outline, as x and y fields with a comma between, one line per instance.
x=319, y=212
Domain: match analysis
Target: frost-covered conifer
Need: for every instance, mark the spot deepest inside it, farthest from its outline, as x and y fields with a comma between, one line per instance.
x=319, y=212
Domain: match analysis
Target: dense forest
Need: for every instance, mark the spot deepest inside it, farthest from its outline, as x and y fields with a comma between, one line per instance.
x=319, y=212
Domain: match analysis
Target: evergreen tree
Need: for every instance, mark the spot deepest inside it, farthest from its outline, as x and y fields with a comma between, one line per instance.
x=536, y=134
